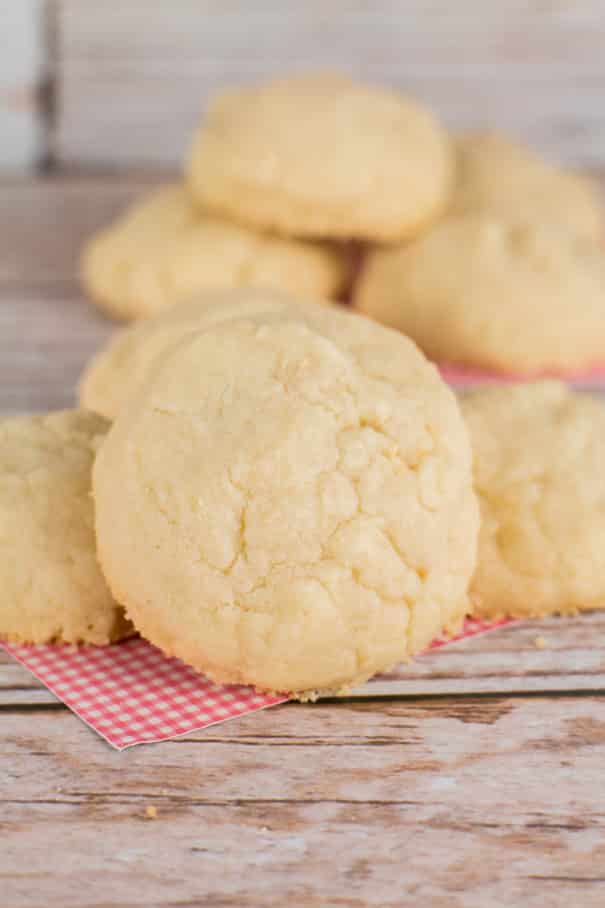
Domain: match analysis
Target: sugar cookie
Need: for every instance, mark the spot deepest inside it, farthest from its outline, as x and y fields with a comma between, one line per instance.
x=505, y=295
x=295, y=512
x=162, y=251
x=539, y=451
x=51, y=588
x=112, y=376
x=321, y=155
x=498, y=176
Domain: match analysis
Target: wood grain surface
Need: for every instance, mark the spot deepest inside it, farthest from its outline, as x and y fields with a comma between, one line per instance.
x=22, y=63
x=132, y=84
x=474, y=779
x=48, y=330
x=449, y=804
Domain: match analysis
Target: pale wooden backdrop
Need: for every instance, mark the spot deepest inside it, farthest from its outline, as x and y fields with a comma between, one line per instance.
x=22, y=74
x=130, y=78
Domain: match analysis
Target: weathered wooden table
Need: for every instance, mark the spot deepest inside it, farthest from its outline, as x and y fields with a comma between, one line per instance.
x=484, y=786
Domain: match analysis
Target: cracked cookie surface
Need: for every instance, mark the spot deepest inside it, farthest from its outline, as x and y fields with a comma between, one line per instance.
x=114, y=374
x=162, y=251
x=51, y=587
x=296, y=509
x=539, y=451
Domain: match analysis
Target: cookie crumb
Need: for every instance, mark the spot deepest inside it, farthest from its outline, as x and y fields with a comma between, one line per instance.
x=539, y=642
x=151, y=812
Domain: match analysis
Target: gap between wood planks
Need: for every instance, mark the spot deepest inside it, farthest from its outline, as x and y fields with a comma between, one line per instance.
x=30, y=700
x=47, y=702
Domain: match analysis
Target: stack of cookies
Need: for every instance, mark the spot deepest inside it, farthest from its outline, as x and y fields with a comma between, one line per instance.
x=484, y=254
x=279, y=178
x=286, y=497
x=283, y=492
x=512, y=280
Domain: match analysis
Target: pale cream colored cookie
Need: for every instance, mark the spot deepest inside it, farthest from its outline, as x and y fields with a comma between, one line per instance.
x=296, y=508
x=505, y=295
x=499, y=176
x=118, y=369
x=539, y=452
x=322, y=155
x=163, y=251
x=51, y=588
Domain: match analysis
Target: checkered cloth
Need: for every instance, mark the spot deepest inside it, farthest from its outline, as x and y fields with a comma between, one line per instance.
x=131, y=693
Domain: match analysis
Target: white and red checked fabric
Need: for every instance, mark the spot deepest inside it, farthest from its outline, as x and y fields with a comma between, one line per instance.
x=131, y=693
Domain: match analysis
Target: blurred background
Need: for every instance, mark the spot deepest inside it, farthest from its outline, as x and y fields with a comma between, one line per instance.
x=98, y=101
x=118, y=85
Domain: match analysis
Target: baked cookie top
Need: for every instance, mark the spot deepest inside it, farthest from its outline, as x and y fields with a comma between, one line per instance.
x=508, y=295
x=296, y=509
x=163, y=251
x=501, y=177
x=112, y=376
x=539, y=451
x=322, y=155
x=51, y=588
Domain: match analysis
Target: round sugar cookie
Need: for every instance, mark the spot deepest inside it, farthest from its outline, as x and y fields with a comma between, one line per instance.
x=501, y=177
x=511, y=296
x=163, y=251
x=112, y=376
x=296, y=511
x=539, y=451
x=322, y=155
x=51, y=588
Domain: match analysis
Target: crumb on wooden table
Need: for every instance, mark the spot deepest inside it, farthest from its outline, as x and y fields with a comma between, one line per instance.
x=539, y=642
x=151, y=812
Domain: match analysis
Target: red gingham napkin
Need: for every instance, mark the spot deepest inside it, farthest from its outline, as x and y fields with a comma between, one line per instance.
x=131, y=693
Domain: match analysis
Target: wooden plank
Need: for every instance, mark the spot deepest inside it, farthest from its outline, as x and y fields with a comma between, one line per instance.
x=46, y=339
x=145, y=75
x=21, y=73
x=44, y=223
x=13, y=677
x=48, y=330
x=508, y=660
x=503, y=661
x=461, y=804
x=28, y=696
